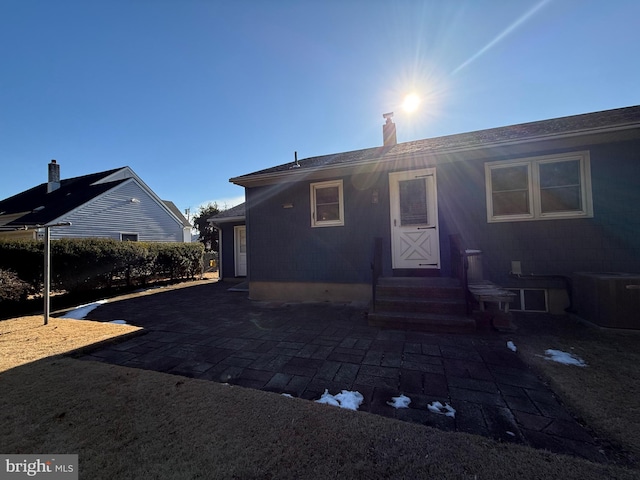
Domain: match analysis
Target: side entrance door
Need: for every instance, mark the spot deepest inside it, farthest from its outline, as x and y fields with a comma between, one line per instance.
x=240, y=250
x=414, y=219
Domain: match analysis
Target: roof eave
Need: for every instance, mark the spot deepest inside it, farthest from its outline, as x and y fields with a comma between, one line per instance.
x=252, y=180
x=217, y=221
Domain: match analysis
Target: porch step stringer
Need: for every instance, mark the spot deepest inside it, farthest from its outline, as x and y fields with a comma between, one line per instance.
x=423, y=304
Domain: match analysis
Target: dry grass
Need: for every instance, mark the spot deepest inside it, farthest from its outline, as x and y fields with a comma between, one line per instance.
x=606, y=393
x=128, y=423
x=26, y=339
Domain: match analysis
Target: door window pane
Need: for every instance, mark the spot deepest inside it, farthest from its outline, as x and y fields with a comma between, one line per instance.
x=242, y=240
x=413, y=202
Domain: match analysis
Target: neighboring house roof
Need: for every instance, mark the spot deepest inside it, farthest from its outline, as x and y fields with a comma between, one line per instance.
x=176, y=211
x=628, y=117
x=37, y=207
x=234, y=214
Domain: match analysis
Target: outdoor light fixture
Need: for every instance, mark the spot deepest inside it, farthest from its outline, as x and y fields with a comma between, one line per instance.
x=134, y=200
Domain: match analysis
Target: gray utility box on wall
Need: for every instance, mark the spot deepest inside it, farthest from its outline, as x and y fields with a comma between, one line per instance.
x=608, y=299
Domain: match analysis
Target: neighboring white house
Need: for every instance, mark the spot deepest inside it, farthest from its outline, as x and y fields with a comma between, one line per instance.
x=113, y=204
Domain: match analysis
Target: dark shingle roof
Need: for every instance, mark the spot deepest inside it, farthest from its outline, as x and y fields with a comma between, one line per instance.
x=176, y=211
x=234, y=212
x=73, y=192
x=513, y=133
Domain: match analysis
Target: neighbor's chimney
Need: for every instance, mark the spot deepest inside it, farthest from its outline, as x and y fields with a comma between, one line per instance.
x=389, y=131
x=54, y=177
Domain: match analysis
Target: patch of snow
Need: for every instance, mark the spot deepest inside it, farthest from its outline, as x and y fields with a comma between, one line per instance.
x=511, y=433
x=328, y=399
x=288, y=395
x=511, y=346
x=345, y=399
x=82, y=311
x=119, y=322
x=400, y=402
x=446, y=409
x=564, y=357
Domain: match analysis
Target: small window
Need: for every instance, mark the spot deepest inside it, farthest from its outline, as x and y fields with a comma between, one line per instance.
x=129, y=237
x=327, y=204
x=529, y=300
x=539, y=188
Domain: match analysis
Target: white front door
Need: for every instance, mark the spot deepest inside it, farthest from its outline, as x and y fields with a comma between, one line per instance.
x=414, y=219
x=240, y=250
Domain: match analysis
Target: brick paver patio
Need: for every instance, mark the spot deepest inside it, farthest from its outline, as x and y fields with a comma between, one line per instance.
x=210, y=333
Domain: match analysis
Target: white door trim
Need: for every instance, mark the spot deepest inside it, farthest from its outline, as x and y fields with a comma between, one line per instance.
x=240, y=256
x=414, y=245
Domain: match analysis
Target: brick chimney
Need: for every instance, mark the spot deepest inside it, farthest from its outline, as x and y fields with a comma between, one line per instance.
x=54, y=177
x=389, y=131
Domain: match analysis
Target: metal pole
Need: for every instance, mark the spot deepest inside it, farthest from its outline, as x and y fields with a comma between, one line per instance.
x=47, y=273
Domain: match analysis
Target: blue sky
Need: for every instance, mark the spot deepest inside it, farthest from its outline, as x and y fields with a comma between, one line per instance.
x=190, y=93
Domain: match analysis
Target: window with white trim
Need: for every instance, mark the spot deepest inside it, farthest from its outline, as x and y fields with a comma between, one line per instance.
x=327, y=204
x=529, y=300
x=539, y=188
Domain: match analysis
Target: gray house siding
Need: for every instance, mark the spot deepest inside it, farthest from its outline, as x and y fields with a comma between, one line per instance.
x=114, y=212
x=283, y=247
x=609, y=241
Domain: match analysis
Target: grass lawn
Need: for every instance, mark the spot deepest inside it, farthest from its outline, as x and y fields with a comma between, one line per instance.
x=606, y=393
x=129, y=423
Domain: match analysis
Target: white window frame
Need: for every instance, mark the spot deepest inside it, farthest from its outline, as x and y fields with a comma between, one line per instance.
x=327, y=223
x=521, y=296
x=535, y=205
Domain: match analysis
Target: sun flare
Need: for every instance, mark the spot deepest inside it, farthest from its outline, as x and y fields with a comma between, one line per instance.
x=411, y=102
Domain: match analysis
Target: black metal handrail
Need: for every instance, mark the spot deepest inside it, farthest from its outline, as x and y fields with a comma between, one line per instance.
x=460, y=268
x=376, y=268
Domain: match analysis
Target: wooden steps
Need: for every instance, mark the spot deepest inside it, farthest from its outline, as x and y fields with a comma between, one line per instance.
x=431, y=304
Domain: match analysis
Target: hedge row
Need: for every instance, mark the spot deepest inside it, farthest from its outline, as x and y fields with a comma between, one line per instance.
x=12, y=288
x=87, y=264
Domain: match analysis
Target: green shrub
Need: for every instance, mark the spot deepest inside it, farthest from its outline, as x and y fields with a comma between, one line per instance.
x=25, y=257
x=11, y=287
x=88, y=264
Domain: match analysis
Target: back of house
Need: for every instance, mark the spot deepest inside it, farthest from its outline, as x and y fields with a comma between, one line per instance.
x=534, y=206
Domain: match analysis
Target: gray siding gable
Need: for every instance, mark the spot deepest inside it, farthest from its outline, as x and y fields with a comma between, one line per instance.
x=115, y=212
